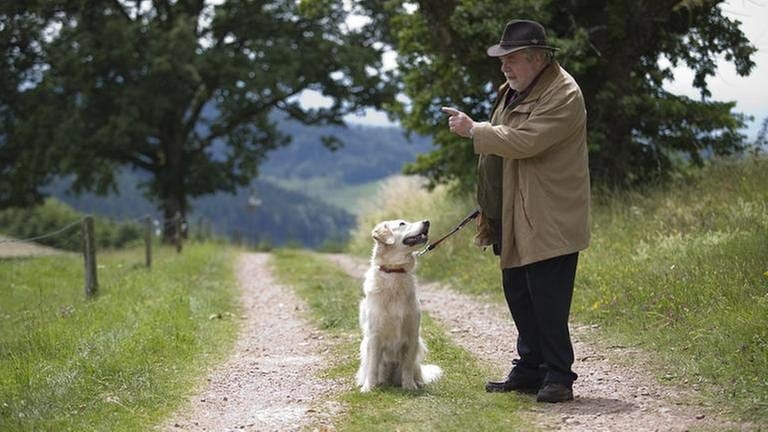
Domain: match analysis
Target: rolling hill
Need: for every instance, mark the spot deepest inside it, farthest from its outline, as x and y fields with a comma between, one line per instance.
x=306, y=192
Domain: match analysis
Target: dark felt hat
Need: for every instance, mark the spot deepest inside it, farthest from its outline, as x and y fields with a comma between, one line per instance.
x=519, y=34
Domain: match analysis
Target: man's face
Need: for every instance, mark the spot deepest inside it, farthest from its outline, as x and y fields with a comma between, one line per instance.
x=519, y=69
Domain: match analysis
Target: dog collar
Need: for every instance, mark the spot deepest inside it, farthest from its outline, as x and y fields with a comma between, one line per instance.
x=392, y=270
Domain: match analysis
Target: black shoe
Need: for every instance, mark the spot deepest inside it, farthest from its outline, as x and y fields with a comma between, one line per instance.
x=554, y=392
x=516, y=381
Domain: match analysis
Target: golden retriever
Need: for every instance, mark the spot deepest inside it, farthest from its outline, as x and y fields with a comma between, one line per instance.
x=392, y=350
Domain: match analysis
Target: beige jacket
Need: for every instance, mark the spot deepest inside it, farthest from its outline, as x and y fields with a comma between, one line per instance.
x=545, y=188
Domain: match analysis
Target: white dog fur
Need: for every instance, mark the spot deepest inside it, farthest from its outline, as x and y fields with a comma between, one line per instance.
x=392, y=349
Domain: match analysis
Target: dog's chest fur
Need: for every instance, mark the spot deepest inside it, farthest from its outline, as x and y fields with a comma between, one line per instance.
x=391, y=303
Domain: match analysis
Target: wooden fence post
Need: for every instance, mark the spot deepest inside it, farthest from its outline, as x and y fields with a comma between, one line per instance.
x=148, y=241
x=89, y=255
x=178, y=231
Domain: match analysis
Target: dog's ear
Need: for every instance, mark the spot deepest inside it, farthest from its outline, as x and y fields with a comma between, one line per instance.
x=383, y=234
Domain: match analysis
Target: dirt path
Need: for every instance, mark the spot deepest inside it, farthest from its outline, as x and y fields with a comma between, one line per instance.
x=613, y=392
x=12, y=248
x=270, y=381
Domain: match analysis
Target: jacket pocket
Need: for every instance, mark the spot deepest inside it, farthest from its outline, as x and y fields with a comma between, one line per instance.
x=525, y=210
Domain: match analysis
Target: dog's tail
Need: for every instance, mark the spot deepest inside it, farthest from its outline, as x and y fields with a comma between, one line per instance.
x=431, y=373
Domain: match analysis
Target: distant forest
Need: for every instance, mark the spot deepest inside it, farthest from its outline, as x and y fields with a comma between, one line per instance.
x=368, y=154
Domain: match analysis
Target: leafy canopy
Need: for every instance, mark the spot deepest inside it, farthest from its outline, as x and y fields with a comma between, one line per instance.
x=614, y=48
x=183, y=90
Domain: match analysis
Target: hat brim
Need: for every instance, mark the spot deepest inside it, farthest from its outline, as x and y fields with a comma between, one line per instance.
x=499, y=51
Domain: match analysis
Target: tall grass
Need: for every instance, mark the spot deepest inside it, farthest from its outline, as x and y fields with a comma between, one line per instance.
x=455, y=403
x=679, y=269
x=121, y=361
x=456, y=260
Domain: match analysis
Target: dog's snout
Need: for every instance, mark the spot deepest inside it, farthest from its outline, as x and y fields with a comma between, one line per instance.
x=426, y=223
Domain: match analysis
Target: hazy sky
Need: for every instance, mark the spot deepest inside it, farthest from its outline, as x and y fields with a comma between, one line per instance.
x=751, y=93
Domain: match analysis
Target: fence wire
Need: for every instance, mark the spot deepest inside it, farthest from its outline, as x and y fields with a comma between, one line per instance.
x=43, y=236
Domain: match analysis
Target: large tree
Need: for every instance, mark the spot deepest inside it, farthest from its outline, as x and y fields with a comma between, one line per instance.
x=186, y=91
x=23, y=165
x=620, y=51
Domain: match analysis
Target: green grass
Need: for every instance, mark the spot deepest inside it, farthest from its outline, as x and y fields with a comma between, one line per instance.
x=679, y=270
x=682, y=271
x=457, y=402
x=120, y=361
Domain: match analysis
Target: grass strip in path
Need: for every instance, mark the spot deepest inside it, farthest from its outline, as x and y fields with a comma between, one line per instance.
x=122, y=360
x=455, y=403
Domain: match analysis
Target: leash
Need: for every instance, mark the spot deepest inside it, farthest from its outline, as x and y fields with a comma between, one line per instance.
x=461, y=224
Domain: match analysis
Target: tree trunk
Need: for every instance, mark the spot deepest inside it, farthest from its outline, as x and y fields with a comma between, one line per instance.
x=174, y=193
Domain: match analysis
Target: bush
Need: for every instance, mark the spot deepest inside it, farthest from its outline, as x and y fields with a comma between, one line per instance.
x=53, y=216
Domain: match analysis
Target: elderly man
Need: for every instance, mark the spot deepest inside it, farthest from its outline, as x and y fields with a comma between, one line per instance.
x=534, y=195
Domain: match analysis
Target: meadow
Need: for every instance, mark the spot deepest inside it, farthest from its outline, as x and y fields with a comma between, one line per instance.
x=120, y=361
x=678, y=270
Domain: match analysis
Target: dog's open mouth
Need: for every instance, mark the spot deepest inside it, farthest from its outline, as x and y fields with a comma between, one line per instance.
x=419, y=238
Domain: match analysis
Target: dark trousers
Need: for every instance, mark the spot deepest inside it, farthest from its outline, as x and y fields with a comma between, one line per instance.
x=539, y=296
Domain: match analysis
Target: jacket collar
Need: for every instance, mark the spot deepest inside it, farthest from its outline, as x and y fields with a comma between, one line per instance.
x=541, y=82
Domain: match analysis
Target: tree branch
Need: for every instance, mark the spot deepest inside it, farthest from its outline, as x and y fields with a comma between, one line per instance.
x=243, y=117
x=201, y=98
x=122, y=10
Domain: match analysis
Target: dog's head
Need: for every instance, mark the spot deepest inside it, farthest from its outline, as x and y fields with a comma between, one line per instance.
x=396, y=240
x=401, y=234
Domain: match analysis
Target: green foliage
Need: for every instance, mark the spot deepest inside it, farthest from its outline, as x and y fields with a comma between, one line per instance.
x=23, y=164
x=53, y=215
x=679, y=270
x=122, y=361
x=163, y=87
x=613, y=48
x=454, y=403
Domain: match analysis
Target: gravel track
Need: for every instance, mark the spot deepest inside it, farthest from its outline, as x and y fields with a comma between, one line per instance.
x=614, y=391
x=12, y=248
x=270, y=382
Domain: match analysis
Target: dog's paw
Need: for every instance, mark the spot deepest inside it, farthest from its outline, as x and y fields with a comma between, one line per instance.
x=365, y=388
x=410, y=385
